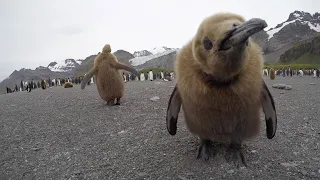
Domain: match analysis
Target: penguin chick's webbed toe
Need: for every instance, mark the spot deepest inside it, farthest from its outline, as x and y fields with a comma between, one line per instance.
x=235, y=155
x=206, y=150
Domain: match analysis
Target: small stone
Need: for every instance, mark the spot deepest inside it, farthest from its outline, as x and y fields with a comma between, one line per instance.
x=289, y=164
x=35, y=149
x=319, y=171
x=141, y=174
x=304, y=172
x=182, y=178
x=230, y=171
x=295, y=153
x=312, y=83
x=155, y=98
x=121, y=132
x=190, y=174
x=313, y=173
x=282, y=86
x=281, y=92
x=253, y=151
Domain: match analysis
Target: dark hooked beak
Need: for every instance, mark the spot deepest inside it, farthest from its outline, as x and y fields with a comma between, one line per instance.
x=240, y=34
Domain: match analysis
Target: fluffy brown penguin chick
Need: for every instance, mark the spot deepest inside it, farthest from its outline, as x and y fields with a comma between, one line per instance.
x=109, y=80
x=220, y=86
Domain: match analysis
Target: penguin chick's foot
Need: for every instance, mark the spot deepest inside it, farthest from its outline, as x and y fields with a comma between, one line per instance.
x=118, y=101
x=206, y=150
x=111, y=102
x=235, y=155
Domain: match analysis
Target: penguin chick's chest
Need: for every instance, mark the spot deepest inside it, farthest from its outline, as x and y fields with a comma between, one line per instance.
x=219, y=114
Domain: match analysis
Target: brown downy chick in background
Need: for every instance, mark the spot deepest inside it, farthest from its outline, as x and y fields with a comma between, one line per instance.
x=109, y=80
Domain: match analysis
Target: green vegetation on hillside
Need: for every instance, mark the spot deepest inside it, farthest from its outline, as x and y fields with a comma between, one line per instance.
x=307, y=58
x=303, y=52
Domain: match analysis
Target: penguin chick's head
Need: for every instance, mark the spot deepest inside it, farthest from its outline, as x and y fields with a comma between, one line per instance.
x=106, y=48
x=222, y=43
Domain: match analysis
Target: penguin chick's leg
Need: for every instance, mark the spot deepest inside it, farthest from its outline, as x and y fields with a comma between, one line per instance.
x=118, y=101
x=205, y=150
x=235, y=154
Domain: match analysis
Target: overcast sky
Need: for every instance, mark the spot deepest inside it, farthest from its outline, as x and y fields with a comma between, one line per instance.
x=37, y=32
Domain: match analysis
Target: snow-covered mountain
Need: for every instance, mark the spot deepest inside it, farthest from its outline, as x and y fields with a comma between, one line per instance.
x=300, y=26
x=142, y=53
x=296, y=18
x=157, y=53
x=64, y=66
x=152, y=51
x=161, y=49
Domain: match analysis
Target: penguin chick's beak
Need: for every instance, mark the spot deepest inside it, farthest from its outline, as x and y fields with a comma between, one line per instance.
x=241, y=33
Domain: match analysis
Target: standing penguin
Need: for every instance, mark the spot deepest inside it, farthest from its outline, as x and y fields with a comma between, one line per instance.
x=220, y=86
x=150, y=75
x=142, y=77
x=109, y=79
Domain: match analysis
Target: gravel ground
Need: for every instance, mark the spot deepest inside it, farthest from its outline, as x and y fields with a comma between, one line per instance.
x=71, y=134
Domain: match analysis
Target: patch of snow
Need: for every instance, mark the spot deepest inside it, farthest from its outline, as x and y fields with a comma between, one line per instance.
x=79, y=61
x=316, y=28
x=296, y=15
x=141, y=60
x=275, y=30
x=59, y=67
x=141, y=53
x=157, y=50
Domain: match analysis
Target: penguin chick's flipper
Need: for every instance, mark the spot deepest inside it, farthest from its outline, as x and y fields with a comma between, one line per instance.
x=87, y=78
x=173, y=110
x=118, y=65
x=269, y=111
x=205, y=150
x=235, y=155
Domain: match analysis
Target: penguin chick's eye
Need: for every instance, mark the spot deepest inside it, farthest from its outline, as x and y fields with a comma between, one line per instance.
x=207, y=43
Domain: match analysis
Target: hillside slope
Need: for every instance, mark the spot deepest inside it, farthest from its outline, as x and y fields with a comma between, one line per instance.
x=303, y=53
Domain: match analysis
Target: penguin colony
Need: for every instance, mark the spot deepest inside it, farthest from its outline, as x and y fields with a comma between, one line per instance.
x=109, y=80
x=219, y=85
